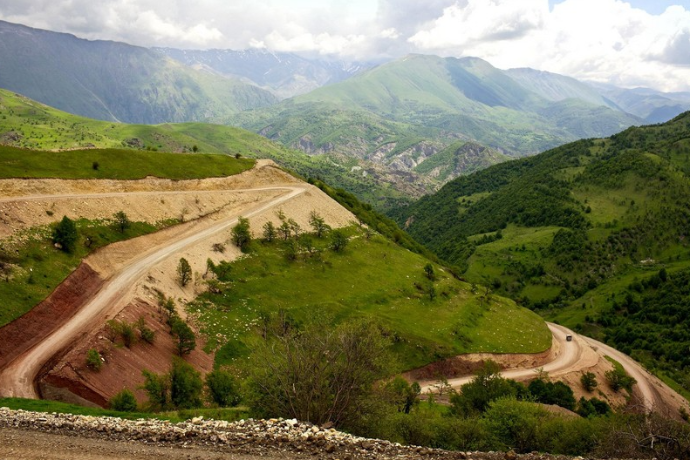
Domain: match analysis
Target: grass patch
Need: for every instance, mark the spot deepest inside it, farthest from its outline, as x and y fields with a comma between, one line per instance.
x=374, y=279
x=116, y=164
x=40, y=405
x=37, y=267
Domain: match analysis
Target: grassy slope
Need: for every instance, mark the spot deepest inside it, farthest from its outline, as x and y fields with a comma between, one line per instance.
x=581, y=225
x=435, y=97
x=116, y=81
x=37, y=267
x=27, y=124
x=339, y=286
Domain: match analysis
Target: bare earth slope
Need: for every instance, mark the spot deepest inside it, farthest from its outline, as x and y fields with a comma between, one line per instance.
x=133, y=269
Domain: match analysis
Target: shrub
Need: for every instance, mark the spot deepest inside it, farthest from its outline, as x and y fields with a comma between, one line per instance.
x=93, y=360
x=588, y=381
x=65, y=234
x=122, y=222
x=619, y=379
x=338, y=240
x=222, y=388
x=319, y=375
x=185, y=385
x=241, y=234
x=124, y=401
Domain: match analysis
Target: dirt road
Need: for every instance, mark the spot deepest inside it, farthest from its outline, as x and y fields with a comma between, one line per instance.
x=579, y=354
x=17, y=379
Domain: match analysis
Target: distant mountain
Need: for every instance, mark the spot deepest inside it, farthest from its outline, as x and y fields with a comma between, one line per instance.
x=556, y=87
x=115, y=81
x=425, y=104
x=651, y=105
x=285, y=74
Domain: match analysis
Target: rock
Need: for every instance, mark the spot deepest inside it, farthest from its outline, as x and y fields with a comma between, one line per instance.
x=511, y=455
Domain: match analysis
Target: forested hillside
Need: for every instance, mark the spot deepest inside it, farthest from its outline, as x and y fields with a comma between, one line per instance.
x=574, y=233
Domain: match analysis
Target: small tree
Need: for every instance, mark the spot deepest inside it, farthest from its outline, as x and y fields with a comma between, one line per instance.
x=125, y=401
x=429, y=272
x=93, y=360
x=186, y=340
x=338, y=240
x=269, y=231
x=588, y=381
x=65, y=234
x=285, y=231
x=185, y=385
x=146, y=334
x=318, y=224
x=122, y=222
x=241, y=234
x=222, y=388
x=294, y=227
x=184, y=272
x=157, y=388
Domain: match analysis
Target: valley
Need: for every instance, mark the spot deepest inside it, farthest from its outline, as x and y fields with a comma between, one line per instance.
x=377, y=248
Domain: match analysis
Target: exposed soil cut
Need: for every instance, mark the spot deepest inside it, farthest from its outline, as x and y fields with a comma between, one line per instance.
x=122, y=366
x=471, y=363
x=20, y=335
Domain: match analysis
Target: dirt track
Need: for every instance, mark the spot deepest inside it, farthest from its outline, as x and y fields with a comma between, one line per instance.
x=582, y=354
x=127, y=266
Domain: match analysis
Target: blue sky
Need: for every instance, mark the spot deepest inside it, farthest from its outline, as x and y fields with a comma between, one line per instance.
x=628, y=43
x=650, y=6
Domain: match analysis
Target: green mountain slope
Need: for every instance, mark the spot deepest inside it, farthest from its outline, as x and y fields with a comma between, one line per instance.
x=466, y=97
x=31, y=125
x=571, y=232
x=115, y=81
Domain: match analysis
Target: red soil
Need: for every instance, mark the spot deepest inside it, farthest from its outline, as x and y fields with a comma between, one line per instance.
x=122, y=366
x=23, y=333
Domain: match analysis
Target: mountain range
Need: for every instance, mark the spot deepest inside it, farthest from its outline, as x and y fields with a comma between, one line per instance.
x=408, y=125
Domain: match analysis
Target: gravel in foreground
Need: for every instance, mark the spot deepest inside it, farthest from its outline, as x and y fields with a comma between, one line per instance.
x=273, y=438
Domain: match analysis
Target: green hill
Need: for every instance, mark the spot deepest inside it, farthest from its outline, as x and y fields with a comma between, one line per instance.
x=439, y=97
x=574, y=232
x=115, y=81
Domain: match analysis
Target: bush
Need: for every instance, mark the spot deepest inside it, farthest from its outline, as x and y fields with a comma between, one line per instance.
x=185, y=385
x=338, y=240
x=488, y=385
x=93, y=360
x=241, y=234
x=222, y=388
x=515, y=423
x=124, y=401
x=157, y=388
x=589, y=381
x=122, y=222
x=619, y=379
x=319, y=375
x=65, y=234
x=145, y=333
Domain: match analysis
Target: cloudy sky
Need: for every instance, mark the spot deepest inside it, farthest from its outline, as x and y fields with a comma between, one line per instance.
x=625, y=42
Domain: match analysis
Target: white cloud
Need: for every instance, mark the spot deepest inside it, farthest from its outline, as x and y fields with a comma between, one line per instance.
x=601, y=40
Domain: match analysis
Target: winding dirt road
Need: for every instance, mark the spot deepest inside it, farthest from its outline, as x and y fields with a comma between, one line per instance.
x=17, y=379
x=579, y=354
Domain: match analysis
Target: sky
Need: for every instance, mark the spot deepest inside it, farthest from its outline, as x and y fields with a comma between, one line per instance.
x=628, y=43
